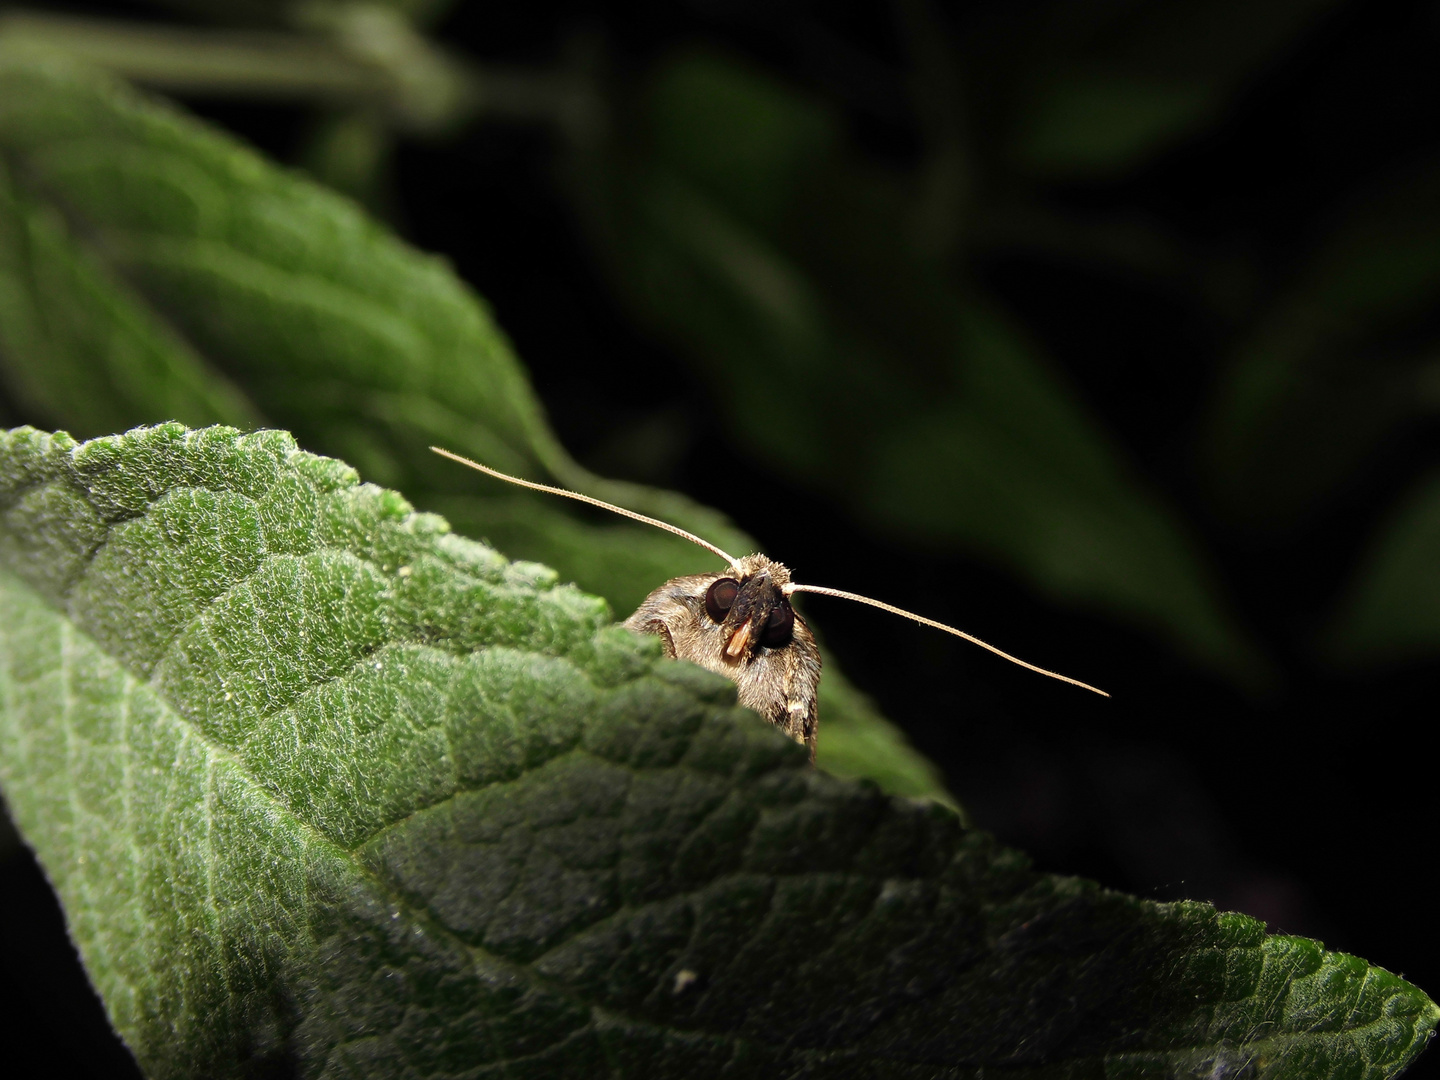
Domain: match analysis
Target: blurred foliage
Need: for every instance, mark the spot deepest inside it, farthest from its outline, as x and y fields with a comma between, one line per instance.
x=1340, y=358
x=1393, y=611
x=845, y=354
x=297, y=12
x=1101, y=87
x=836, y=303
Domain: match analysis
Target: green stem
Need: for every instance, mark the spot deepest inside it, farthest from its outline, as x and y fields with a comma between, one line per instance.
x=359, y=56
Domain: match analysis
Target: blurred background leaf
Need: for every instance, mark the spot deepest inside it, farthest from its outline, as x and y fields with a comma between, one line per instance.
x=291, y=12
x=1101, y=87
x=1393, y=612
x=1336, y=362
x=93, y=353
x=841, y=353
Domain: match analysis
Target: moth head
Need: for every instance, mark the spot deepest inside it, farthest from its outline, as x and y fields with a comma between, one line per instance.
x=749, y=608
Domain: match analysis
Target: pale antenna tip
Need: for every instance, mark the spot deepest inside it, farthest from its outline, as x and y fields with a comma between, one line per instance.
x=822, y=590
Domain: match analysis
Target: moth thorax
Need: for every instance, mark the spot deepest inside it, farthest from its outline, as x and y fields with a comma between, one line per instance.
x=751, y=565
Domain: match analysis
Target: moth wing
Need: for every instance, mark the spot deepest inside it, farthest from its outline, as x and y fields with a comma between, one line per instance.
x=664, y=612
x=658, y=628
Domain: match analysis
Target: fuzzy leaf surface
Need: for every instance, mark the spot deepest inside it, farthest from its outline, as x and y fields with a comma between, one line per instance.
x=325, y=789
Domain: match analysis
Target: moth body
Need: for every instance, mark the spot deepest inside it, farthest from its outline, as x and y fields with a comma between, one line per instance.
x=741, y=624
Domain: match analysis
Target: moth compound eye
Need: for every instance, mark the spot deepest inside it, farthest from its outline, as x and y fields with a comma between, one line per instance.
x=779, y=627
x=720, y=598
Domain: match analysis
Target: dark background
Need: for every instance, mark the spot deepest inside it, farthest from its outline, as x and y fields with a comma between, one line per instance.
x=1307, y=801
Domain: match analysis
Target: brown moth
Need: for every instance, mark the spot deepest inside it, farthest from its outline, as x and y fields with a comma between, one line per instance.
x=741, y=624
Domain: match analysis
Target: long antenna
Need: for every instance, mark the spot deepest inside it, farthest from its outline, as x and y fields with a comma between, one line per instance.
x=734, y=565
x=843, y=595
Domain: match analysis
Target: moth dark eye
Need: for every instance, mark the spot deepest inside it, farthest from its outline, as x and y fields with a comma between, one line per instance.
x=779, y=627
x=720, y=597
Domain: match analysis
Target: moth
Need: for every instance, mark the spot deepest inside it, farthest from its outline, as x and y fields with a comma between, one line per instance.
x=740, y=623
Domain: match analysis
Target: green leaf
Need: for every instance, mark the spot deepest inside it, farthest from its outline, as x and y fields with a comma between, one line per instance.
x=1336, y=364
x=888, y=381
x=326, y=319
x=1392, y=612
x=1096, y=122
x=289, y=12
x=1104, y=87
x=79, y=346
x=859, y=744
x=194, y=254
x=328, y=791
x=350, y=338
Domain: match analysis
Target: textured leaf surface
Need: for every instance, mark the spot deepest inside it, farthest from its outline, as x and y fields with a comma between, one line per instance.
x=141, y=253
x=323, y=787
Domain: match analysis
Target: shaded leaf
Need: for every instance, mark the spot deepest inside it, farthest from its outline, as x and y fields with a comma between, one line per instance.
x=1028, y=481
x=1337, y=362
x=171, y=235
x=351, y=152
x=326, y=790
x=1099, y=121
x=862, y=744
x=1393, y=611
x=289, y=12
x=351, y=338
x=1104, y=87
x=76, y=344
